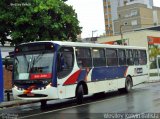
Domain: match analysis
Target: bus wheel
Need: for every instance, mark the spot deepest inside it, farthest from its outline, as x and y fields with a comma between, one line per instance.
x=128, y=85
x=79, y=94
x=43, y=104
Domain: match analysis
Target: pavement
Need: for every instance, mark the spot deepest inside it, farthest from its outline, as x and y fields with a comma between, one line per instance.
x=13, y=102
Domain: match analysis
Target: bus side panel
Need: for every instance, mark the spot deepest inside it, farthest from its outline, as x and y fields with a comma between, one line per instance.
x=139, y=73
x=1, y=79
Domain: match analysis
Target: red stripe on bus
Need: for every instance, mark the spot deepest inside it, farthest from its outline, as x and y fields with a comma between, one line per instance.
x=73, y=78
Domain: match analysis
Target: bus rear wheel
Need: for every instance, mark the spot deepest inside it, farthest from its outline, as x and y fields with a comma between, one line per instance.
x=128, y=86
x=79, y=94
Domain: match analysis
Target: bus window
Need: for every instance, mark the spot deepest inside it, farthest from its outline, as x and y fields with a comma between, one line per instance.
x=122, y=57
x=136, y=57
x=129, y=57
x=98, y=57
x=65, y=61
x=143, y=57
x=84, y=57
x=112, y=59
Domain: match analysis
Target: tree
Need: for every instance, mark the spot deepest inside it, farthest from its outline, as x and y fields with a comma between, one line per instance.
x=154, y=52
x=37, y=20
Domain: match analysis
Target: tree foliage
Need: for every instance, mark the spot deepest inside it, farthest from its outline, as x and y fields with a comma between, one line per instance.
x=36, y=20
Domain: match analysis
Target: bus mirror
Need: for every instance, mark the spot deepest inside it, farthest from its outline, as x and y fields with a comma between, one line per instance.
x=8, y=62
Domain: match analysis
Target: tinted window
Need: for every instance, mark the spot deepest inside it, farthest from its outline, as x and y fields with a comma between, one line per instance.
x=112, y=59
x=98, y=57
x=143, y=57
x=122, y=57
x=129, y=57
x=136, y=57
x=65, y=61
x=84, y=57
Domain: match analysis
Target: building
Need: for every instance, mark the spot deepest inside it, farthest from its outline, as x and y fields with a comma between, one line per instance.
x=136, y=16
x=110, y=11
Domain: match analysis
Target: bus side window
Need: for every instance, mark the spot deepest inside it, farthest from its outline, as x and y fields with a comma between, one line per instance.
x=129, y=56
x=111, y=55
x=65, y=61
x=98, y=55
x=136, y=57
x=143, y=57
x=83, y=56
x=122, y=57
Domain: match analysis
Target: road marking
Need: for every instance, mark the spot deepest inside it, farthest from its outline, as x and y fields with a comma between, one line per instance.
x=70, y=107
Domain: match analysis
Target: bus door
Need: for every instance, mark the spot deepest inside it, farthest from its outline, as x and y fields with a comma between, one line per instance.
x=1, y=79
x=65, y=62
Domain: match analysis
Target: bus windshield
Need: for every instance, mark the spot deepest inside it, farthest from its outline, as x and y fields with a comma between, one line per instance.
x=33, y=66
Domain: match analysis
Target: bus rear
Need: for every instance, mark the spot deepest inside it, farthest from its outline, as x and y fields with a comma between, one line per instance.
x=33, y=68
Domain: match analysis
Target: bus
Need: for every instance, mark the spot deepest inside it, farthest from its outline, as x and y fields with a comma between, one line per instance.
x=1, y=79
x=45, y=70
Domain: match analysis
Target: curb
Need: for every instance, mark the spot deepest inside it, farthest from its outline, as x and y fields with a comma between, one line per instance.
x=16, y=103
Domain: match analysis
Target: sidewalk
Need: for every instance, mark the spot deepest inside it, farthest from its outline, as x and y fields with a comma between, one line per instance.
x=15, y=103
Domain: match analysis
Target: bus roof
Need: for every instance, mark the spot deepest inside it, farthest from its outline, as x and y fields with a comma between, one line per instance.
x=96, y=45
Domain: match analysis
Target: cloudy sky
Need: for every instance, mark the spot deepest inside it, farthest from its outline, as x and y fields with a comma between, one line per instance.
x=90, y=15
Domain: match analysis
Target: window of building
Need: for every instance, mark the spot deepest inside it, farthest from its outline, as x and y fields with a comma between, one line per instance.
x=83, y=57
x=134, y=13
x=134, y=22
x=122, y=57
x=111, y=55
x=65, y=61
x=98, y=56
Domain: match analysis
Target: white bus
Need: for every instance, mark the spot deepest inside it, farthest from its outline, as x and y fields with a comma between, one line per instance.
x=57, y=70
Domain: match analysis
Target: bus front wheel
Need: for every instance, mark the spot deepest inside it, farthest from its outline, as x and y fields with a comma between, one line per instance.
x=79, y=94
x=43, y=104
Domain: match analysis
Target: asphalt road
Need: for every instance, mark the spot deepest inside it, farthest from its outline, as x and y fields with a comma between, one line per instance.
x=142, y=102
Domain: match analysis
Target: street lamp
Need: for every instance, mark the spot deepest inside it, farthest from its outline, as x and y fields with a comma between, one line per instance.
x=121, y=31
x=93, y=33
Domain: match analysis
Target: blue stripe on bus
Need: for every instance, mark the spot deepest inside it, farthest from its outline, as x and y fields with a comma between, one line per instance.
x=102, y=73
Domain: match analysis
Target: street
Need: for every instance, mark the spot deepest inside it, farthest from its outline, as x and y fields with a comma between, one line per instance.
x=144, y=99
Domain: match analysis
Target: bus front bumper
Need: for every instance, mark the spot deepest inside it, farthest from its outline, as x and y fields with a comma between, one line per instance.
x=37, y=94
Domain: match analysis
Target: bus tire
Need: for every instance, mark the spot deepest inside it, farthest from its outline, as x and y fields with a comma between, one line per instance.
x=128, y=85
x=79, y=94
x=43, y=104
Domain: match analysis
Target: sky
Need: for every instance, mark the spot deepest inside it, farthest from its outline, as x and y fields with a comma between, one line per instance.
x=91, y=16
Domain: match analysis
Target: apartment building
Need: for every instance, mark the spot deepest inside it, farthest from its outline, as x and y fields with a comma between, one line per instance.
x=136, y=16
x=111, y=11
